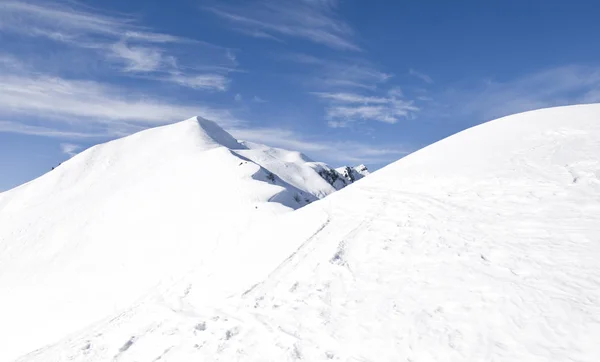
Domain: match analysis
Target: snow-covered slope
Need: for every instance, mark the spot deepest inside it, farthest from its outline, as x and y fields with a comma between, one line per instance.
x=296, y=169
x=482, y=247
x=106, y=227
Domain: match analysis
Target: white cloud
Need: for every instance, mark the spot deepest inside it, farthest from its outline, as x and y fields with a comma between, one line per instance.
x=32, y=18
x=335, y=152
x=154, y=37
x=346, y=83
x=348, y=107
x=238, y=97
x=151, y=60
x=77, y=104
x=32, y=130
x=119, y=40
x=257, y=34
x=35, y=99
x=352, y=98
x=387, y=114
x=69, y=149
x=138, y=58
x=339, y=74
x=257, y=99
x=201, y=81
x=311, y=20
x=422, y=76
x=147, y=60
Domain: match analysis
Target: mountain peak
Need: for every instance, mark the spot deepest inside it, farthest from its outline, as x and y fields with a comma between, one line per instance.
x=210, y=132
x=362, y=169
x=352, y=174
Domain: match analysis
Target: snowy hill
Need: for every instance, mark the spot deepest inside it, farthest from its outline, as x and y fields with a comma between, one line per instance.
x=482, y=247
x=104, y=228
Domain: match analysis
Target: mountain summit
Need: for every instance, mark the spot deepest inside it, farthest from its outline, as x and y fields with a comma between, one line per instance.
x=210, y=133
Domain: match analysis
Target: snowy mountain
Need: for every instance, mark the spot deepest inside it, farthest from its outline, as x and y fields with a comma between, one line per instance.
x=352, y=174
x=481, y=247
x=296, y=169
x=102, y=229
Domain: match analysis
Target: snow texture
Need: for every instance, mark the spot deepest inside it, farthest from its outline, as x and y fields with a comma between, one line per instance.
x=482, y=247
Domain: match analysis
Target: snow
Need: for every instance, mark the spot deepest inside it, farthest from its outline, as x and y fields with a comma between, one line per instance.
x=295, y=168
x=482, y=247
x=352, y=174
x=101, y=230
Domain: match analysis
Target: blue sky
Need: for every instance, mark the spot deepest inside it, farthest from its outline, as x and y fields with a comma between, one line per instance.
x=345, y=81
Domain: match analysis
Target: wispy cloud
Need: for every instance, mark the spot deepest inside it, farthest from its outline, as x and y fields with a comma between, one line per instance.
x=118, y=39
x=352, y=98
x=354, y=90
x=257, y=99
x=353, y=76
x=422, y=76
x=311, y=20
x=349, y=107
x=257, y=34
x=85, y=107
x=139, y=58
x=155, y=37
x=335, y=152
x=32, y=130
x=61, y=18
x=37, y=99
x=339, y=74
x=156, y=65
x=202, y=81
x=69, y=149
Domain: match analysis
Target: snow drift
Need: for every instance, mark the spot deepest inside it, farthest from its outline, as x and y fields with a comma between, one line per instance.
x=483, y=246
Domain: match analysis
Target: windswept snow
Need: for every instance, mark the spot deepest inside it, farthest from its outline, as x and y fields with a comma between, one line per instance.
x=98, y=232
x=482, y=247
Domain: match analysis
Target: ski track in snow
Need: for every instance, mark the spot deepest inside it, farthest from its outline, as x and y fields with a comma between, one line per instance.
x=482, y=247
